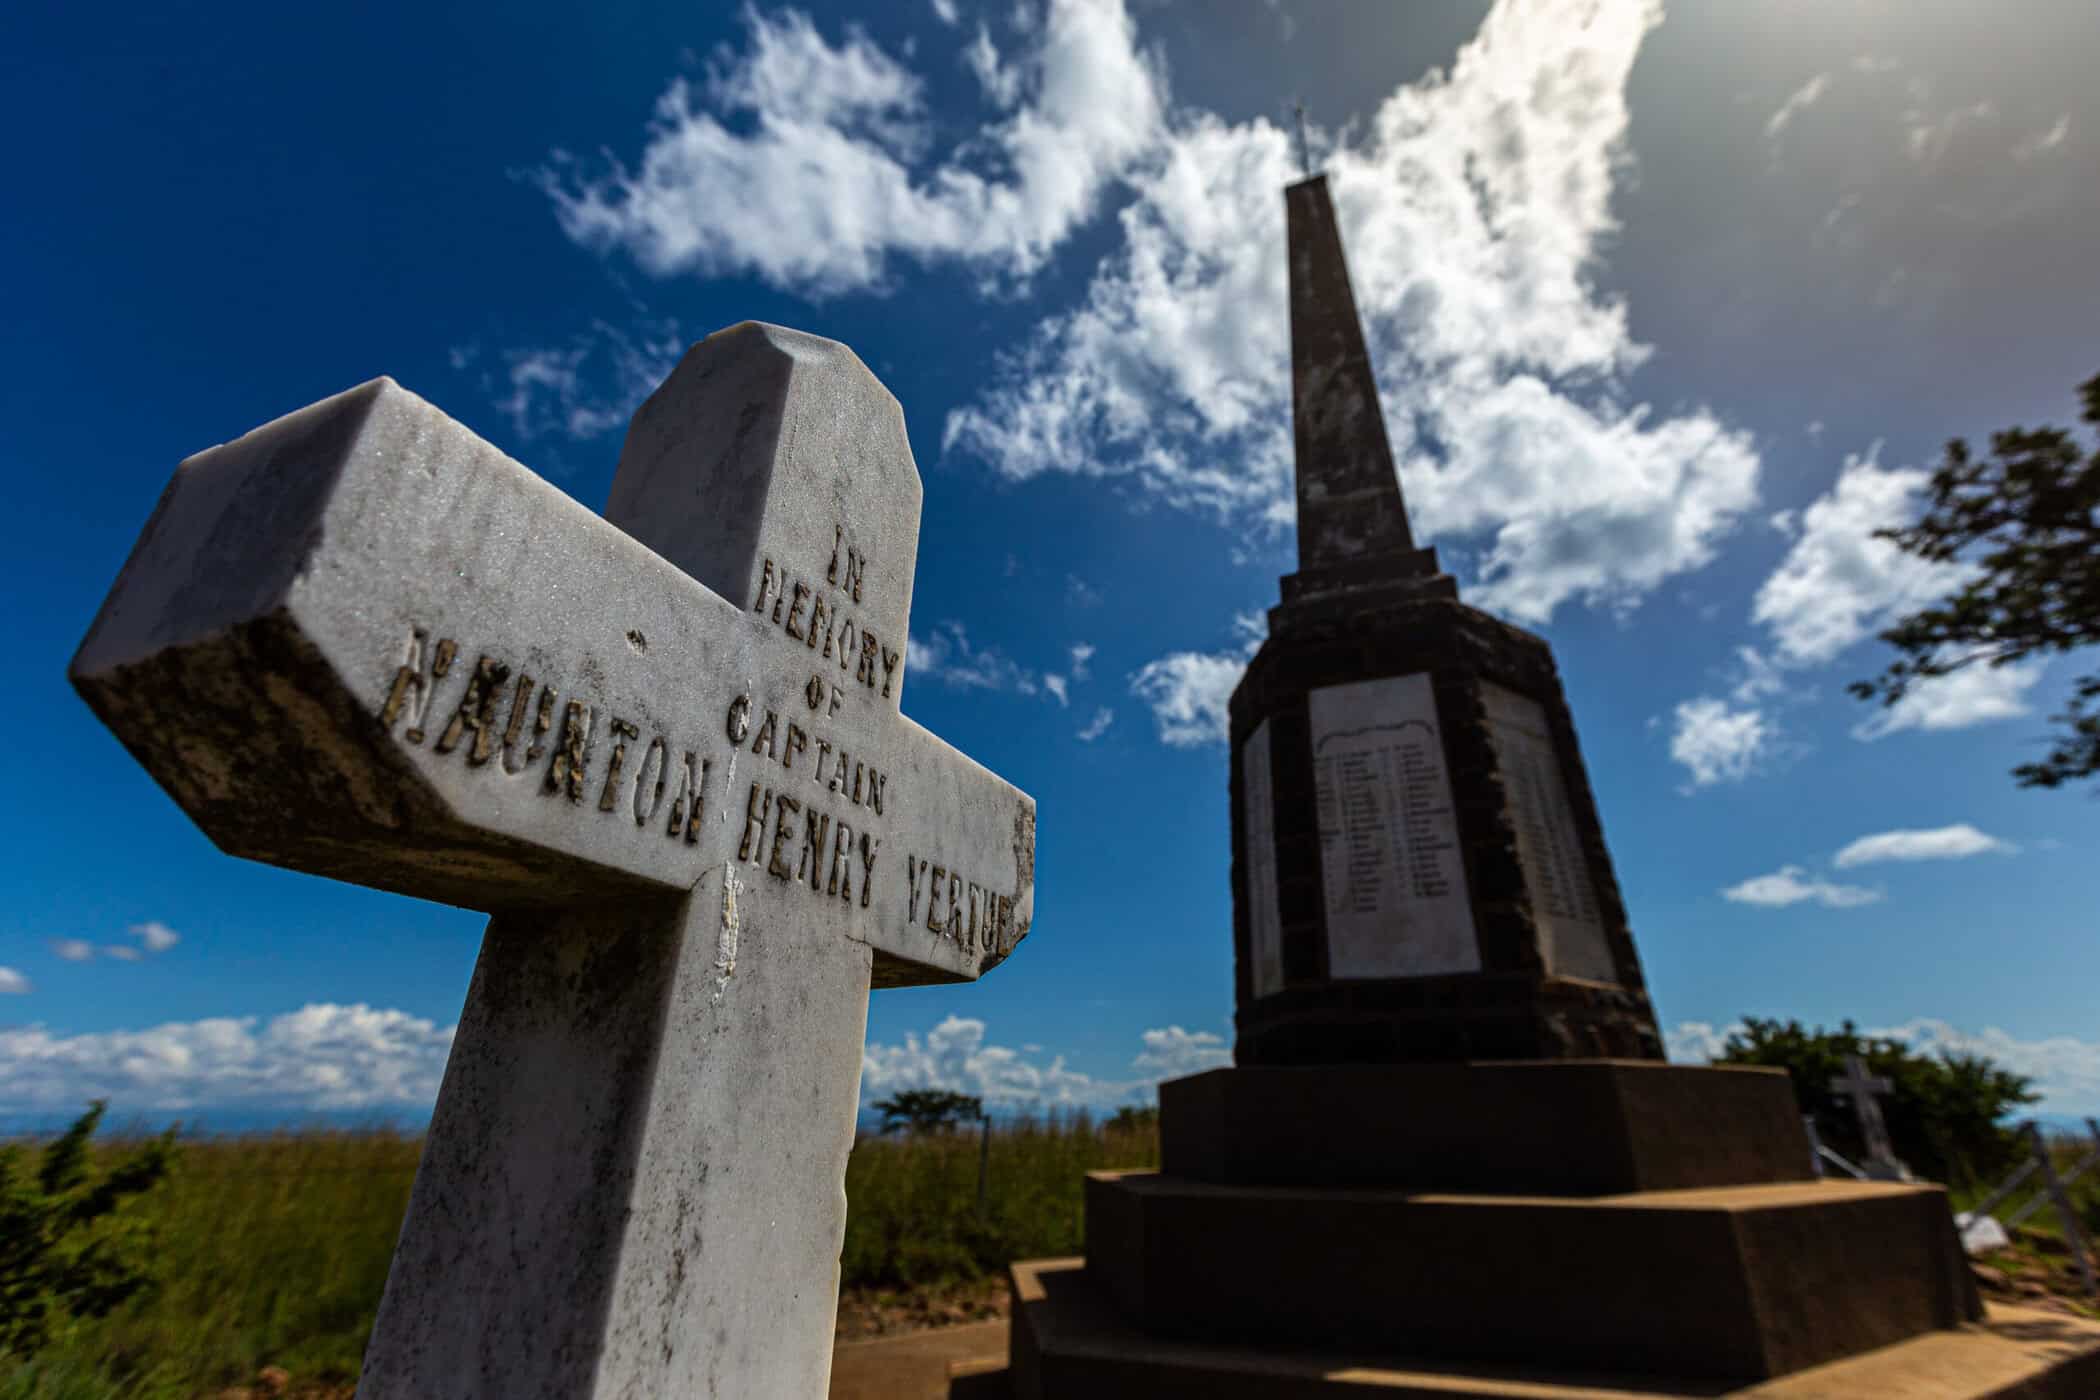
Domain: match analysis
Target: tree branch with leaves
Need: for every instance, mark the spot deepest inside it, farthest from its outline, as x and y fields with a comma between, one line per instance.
x=2025, y=519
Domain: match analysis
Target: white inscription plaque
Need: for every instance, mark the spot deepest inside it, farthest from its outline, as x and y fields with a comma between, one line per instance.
x=1258, y=832
x=1395, y=882
x=1571, y=932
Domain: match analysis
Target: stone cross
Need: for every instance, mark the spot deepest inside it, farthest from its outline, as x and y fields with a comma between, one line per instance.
x=663, y=749
x=1860, y=1087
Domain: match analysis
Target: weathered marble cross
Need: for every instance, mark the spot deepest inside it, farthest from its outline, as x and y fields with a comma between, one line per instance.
x=1860, y=1087
x=664, y=749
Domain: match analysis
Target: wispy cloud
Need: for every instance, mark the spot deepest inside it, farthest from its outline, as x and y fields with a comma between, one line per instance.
x=588, y=387
x=1799, y=100
x=155, y=936
x=1791, y=884
x=1977, y=694
x=947, y=655
x=72, y=949
x=1097, y=726
x=1955, y=842
x=13, y=983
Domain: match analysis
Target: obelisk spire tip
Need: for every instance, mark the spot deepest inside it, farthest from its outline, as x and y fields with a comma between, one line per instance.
x=1349, y=506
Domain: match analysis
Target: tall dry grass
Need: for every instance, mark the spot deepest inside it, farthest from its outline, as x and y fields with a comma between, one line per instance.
x=911, y=1203
x=273, y=1249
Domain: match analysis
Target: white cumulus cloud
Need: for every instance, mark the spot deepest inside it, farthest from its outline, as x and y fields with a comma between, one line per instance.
x=1837, y=582
x=1172, y=1052
x=1937, y=843
x=73, y=949
x=323, y=1056
x=1475, y=203
x=1189, y=693
x=1474, y=206
x=1717, y=742
x=1790, y=884
x=958, y=1055
x=12, y=983
x=801, y=160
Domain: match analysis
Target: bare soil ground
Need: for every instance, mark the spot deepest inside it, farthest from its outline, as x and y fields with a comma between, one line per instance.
x=865, y=1313
x=2035, y=1271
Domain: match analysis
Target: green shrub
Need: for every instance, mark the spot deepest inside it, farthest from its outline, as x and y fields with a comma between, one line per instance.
x=1944, y=1113
x=69, y=1250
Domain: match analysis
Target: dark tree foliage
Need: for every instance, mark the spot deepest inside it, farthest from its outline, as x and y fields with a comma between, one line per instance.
x=928, y=1110
x=1942, y=1111
x=2028, y=517
x=67, y=1248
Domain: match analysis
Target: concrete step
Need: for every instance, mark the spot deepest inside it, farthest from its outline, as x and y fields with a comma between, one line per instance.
x=1068, y=1343
x=1731, y=1283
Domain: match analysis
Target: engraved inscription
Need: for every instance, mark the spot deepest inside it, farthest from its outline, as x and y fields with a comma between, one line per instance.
x=625, y=784
x=816, y=825
x=788, y=843
x=816, y=616
x=827, y=765
x=1258, y=841
x=1396, y=901
x=1564, y=903
x=972, y=914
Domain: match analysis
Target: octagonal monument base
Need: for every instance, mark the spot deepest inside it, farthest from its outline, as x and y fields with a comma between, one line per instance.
x=1548, y=1230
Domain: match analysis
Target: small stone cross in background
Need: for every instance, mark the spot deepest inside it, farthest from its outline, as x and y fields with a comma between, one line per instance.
x=663, y=748
x=1860, y=1087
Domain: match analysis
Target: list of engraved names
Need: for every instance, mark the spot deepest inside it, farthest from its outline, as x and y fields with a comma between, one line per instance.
x=1258, y=838
x=1564, y=903
x=1395, y=883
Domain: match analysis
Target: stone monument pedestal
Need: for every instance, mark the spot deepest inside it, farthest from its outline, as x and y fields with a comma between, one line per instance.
x=1538, y=1229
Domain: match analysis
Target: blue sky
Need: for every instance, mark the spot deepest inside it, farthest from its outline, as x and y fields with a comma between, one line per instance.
x=1670, y=308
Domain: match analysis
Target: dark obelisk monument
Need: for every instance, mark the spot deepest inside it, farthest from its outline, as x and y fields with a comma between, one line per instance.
x=1450, y=1158
x=1418, y=869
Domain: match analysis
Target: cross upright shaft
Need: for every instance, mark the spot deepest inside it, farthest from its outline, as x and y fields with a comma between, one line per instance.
x=360, y=641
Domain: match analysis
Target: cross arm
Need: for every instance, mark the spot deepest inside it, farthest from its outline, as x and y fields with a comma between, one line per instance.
x=362, y=642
